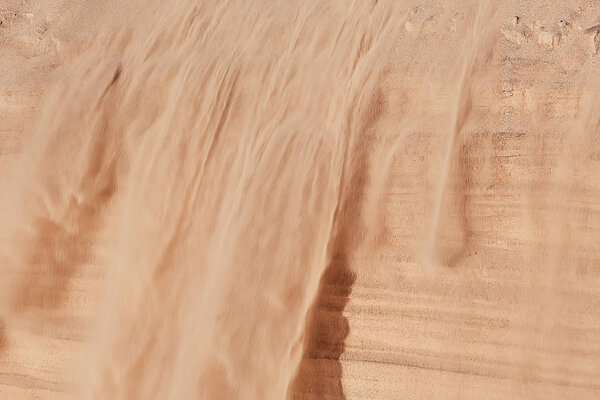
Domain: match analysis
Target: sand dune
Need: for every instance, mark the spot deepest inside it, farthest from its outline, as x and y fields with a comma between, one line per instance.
x=325, y=200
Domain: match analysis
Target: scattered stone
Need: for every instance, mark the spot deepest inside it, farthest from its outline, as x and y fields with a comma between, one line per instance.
x=513, y=36
x=428, y=24
x=512, y=33
x=545, y=38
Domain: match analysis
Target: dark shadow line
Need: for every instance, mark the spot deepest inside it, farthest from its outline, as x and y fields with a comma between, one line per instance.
x=320, y=373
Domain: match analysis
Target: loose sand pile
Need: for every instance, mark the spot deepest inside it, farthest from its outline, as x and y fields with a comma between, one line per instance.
x=315, y=200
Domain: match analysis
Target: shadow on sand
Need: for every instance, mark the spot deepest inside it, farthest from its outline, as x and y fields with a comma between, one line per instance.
x=320, y=373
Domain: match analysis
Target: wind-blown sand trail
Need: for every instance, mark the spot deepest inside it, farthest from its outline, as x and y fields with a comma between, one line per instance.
x=316, y=200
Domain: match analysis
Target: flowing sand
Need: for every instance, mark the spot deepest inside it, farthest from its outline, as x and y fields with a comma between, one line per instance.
x=299, y=200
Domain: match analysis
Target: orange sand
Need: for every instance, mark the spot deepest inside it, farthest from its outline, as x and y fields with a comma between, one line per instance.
x=315, y=200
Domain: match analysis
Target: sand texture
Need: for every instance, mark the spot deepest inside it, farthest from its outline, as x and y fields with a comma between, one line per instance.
x=299, y=200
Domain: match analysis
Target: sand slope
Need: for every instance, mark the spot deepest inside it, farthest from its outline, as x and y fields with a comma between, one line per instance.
x=459, y=257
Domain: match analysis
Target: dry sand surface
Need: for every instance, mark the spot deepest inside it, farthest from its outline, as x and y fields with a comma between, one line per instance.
x=306, y=200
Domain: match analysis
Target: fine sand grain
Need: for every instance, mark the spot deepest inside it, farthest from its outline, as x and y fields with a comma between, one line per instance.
x=299, y=200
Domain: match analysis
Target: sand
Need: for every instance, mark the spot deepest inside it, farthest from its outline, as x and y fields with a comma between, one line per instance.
x=321, y=200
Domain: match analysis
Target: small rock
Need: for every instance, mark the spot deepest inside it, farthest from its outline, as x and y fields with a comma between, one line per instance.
x=513, y=36
x=548, y=40
x=428, y=24
x=544, y=37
